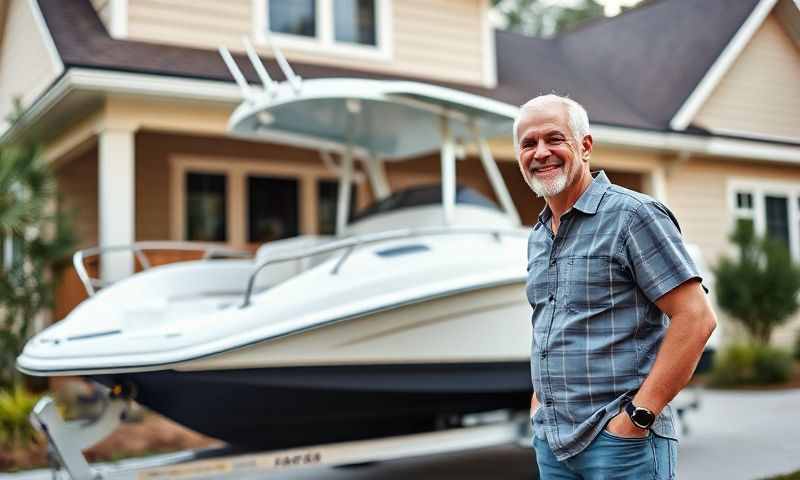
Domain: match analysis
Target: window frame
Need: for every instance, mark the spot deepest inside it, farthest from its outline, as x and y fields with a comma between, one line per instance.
x=237, y=169
x=325, y=42
x=760, y=189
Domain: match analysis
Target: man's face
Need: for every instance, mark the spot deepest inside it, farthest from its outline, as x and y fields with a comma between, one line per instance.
x=550, y=158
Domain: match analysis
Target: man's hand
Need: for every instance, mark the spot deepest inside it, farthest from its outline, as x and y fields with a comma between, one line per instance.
x=622, y=426
x=534, y=404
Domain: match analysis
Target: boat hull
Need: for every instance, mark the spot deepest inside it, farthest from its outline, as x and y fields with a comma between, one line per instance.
x=289, y=407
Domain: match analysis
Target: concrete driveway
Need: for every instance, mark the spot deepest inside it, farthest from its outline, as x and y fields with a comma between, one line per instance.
x=734, y=435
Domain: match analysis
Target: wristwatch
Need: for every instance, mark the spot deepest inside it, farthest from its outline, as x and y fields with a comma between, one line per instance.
x=640, y=416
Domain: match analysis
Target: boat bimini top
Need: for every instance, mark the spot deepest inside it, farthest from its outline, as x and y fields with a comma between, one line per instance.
x=372, y=121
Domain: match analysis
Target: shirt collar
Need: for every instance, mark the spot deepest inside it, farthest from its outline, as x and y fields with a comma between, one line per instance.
x=589, y=199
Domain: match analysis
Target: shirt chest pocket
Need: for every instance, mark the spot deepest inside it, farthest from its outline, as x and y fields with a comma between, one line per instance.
x=590, y=282
x=536, y=286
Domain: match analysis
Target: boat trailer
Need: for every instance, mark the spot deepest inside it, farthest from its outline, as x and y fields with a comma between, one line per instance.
x=67, y=439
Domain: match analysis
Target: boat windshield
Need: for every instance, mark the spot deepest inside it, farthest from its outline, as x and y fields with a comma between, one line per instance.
x=421, y=196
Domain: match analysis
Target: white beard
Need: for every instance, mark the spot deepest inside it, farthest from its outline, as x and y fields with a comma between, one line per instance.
x=549, y=188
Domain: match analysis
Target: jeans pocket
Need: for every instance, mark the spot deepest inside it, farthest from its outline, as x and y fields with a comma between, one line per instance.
x=617, y=438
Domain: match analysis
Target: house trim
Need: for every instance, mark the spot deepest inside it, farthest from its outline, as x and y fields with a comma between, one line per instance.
x=44, y=32
x=489, y=49
x=755, y=136
x=118, y=27
x=714, y=75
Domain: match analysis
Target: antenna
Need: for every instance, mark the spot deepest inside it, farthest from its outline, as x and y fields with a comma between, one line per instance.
x=294, y=80
x=269, y=84
x=237, y=74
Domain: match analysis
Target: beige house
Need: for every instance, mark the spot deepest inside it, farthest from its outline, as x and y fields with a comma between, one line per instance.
x=132, y=100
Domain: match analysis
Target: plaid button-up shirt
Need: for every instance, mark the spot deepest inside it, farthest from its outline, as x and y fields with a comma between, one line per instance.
x=596, y=328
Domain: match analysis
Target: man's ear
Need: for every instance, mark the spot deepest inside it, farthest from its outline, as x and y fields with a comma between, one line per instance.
x=586, y=150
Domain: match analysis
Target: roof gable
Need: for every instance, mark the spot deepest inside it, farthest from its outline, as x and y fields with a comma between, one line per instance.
x=28, y=61
x=738, y=105
x=724, y=60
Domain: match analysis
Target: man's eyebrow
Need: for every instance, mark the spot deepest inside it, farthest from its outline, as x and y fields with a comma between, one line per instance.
x=547, y=133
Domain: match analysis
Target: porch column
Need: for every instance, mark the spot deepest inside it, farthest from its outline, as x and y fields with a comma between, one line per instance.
x=657, y=180
x=117, y=181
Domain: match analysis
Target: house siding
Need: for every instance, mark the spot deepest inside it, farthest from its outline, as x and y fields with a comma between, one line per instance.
x=436, y=39
x=26, y=67
x=698, y=195
x=760, y=94
x=77, y=186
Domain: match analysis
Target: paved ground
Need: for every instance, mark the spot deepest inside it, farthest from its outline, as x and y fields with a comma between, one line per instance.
x=742, y=435
x=735, y=435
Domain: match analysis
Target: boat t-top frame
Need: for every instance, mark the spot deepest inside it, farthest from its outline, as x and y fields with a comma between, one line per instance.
x=373, y=121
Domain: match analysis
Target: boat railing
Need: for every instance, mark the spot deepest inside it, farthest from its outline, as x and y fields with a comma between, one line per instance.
x=91, y=284
x=352, y=243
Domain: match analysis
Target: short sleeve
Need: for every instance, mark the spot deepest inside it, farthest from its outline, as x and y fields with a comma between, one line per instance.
x=655, y=252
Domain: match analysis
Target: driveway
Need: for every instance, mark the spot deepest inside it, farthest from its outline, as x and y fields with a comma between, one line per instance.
x=734, y=435
x=742, y=435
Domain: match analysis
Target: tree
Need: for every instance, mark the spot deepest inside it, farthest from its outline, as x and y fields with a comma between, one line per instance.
x=540, y=18
x=37, y=236
x=546, y=18
x=760, y=287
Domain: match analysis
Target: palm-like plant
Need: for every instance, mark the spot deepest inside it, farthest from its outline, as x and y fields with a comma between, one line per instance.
x=40, y=236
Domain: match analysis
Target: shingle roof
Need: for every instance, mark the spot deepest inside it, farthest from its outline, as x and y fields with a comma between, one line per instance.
x=633, y=70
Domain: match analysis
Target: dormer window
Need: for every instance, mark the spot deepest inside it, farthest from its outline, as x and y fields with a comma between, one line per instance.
x=293, y=17
x=354, y=21
x=346, y=27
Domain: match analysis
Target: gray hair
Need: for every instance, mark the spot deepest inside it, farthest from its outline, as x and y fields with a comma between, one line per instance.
x=577, y=117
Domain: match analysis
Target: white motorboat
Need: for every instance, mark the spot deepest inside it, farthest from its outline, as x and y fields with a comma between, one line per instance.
x=412, y=314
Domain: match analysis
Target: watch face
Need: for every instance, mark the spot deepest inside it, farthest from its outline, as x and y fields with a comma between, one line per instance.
x=642, y=418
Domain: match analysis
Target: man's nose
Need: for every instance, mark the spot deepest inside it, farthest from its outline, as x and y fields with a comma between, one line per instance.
x=541, y=152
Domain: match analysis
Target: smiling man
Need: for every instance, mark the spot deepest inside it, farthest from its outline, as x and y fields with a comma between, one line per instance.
x=619, y=318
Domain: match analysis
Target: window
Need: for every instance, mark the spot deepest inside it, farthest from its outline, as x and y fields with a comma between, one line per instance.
x=328, y=205
x=777, y=216
x=206, y=207
x=349, y=27
x=295, y=17
x=773, y=209
x=272, y=209
x=744, y=200
x=354, y=21
x=246, y=202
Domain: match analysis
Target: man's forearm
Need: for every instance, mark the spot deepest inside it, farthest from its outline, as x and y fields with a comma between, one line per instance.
x=676, y=360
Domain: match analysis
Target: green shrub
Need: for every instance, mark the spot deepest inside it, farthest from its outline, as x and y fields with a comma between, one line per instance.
x=751, y=365
x=797, y=346
x=16, y=404
x=760, y=287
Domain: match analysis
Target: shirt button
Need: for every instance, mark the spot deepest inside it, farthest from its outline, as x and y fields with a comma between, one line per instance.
x=548, y=403
x=553, y=262
x=543, y=354
x=552, y=298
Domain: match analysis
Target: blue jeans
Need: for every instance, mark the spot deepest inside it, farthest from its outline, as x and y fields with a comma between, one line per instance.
x=611, y=457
